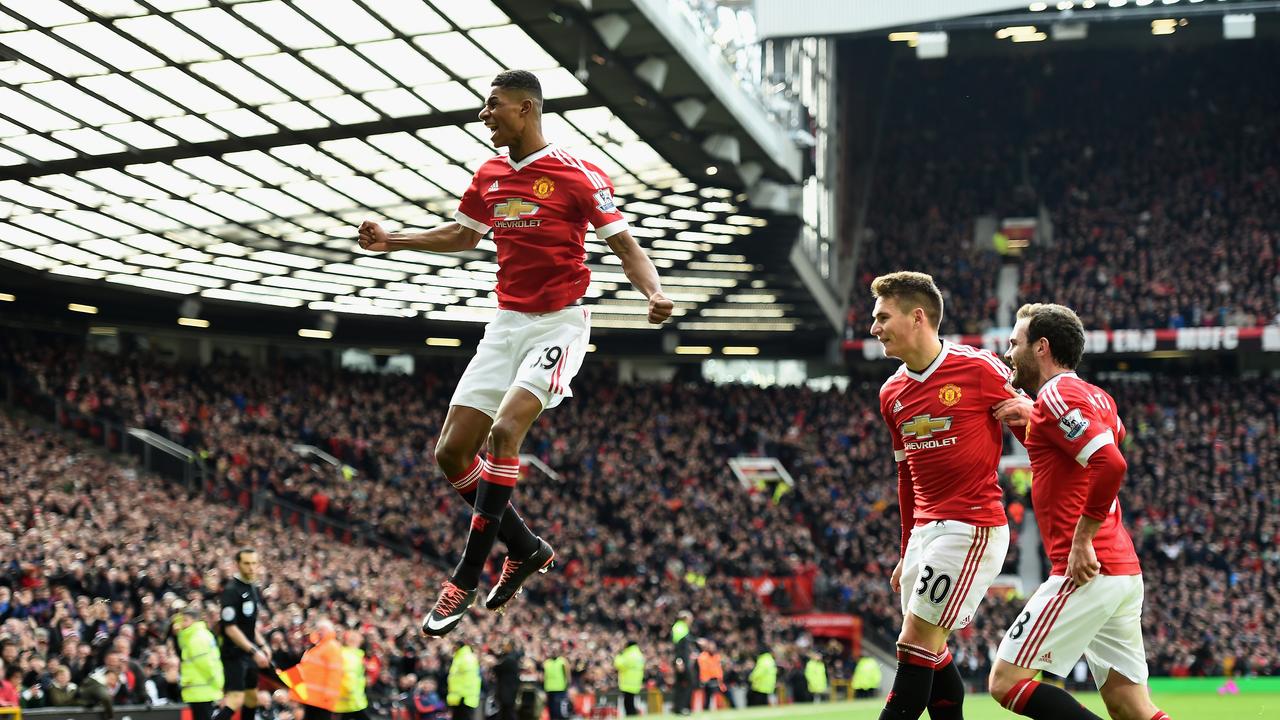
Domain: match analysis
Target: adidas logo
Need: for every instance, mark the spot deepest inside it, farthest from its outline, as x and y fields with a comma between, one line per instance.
x=494, y=186
x=897, y=406
x=1046, y=658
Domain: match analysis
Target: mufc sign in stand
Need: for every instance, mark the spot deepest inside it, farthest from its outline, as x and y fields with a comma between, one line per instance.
x=1119, y=342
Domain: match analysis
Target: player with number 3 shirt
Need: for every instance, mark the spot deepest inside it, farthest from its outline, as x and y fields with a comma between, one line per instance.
x=538, y=200
x=1091, y=604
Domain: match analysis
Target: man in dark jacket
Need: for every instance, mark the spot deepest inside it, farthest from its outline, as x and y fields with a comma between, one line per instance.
x=506, y=676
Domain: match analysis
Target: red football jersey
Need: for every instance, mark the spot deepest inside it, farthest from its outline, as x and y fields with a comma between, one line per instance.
x=1070, y=421
x=943, y=430
x=538, y=209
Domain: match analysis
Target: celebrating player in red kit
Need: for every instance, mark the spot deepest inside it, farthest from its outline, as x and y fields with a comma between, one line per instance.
x=538, y=200
x=1092, y=602
x=947, y=443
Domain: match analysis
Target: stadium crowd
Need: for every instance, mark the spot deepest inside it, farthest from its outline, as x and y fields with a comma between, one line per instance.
x=648, y=518
x=1164, y=206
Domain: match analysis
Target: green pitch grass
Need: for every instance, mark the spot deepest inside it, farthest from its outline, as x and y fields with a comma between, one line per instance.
x=980, y=707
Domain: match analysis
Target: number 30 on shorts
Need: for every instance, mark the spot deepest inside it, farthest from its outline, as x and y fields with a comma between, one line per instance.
x=548, y=359
x=936, y=587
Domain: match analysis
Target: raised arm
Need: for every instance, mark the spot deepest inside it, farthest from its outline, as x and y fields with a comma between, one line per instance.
x=643, y=275
x=450, y=237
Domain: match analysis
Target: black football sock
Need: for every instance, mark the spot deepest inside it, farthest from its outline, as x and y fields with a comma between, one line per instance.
x=512, y=531
x=912, y=685
x=497, y=483
x=946, y=699
x=1044, y=702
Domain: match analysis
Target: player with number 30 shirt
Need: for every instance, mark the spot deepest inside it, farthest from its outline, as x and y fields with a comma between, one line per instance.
x=947, y=444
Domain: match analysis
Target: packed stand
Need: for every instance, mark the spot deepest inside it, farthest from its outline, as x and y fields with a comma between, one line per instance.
x=1165, y=214
x=95, y=558
x=646, y=513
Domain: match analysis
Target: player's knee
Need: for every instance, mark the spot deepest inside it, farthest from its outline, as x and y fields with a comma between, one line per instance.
x=451, y=457
x=999, y=684
x=505, y=436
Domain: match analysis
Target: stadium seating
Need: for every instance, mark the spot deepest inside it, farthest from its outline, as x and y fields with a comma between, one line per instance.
x=1164, y=208
x=645, y=510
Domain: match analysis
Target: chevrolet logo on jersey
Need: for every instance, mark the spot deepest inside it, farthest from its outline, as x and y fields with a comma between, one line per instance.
x=924, y=426
x=514, y=208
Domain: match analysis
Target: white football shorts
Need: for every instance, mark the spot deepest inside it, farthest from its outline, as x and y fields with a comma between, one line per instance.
x=1101, y=620
x=947, y=569
x=540, y=352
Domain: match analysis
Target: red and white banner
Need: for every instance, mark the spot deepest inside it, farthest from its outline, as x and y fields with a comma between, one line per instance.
x=1198, y=339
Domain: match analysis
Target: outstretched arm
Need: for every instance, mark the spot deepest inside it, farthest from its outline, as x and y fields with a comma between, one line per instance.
x=643, y=275
x=450, y=237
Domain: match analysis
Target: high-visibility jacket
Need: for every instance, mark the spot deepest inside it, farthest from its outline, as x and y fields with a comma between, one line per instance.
x=866, y=674
x=764, y=676
x=679, y=630
x=464, y=679
x=317, y=678
x=352, y=698
x=200, y=673
x=709, y=668
x=815, y=675
x=630, y=665
x=555, y=674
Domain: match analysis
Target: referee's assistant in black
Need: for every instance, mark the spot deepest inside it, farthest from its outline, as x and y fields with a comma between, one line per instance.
x=244, y=649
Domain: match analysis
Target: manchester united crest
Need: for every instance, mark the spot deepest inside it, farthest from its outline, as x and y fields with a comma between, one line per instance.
x=543, y=187
x=949, y=394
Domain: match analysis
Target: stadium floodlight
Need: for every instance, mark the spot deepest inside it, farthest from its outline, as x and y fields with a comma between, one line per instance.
x=653, y=71
x=1069, y=31
x=690, y=111
x=723, y=147
x=1238, y=26
x=931, y=45
x=613, y=28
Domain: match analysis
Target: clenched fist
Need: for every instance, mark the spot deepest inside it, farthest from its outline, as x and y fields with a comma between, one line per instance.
x=373, y=237
x=659, y=308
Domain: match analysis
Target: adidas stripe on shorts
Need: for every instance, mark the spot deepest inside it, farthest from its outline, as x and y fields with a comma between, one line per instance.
x=947, y=569
x=540, y=352
x=1062, y=621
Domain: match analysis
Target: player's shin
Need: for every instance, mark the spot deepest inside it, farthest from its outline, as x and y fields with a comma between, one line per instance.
x=912, y=685
x=1044, y=702
x=512, y=530
x=946, y=699
x=497, y=482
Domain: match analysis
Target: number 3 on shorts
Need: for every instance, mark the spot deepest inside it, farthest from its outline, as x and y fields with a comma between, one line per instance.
x=548, y=359
x=941, y=585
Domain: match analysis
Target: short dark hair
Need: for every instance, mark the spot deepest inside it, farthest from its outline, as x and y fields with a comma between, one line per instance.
x=911, y=290
x=244, y=551
x=1060, y=326
x=519, y=80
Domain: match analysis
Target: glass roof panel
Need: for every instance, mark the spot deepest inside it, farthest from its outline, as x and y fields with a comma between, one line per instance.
x=34, y=115
x=120, y=53
x=242, y=84
x=461, y=56
x=223, y=29
x=284, y=24
x=409, y=18
x=288, y=72
x=51, y=54
x=124, y=92
x=345, y=19
x=404, y=60
x=470, y=13
x=167, y=38
x=449, y=96
x=75, y=102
